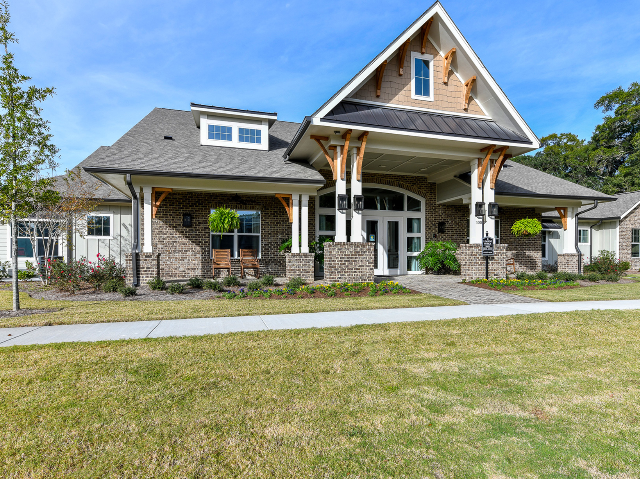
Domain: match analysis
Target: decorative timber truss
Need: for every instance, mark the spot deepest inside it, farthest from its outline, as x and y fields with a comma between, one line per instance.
x=333, y=159
x=402, y=54
x=446, y=60
x=379, y=74
x=287, y=201
x=562, y=211
x=494, y=166
x=468, y=85
x=156, y=203
x=425, y=34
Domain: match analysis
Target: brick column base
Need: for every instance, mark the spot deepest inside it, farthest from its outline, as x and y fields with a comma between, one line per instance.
x=148, y=267
x=472, y=263
x=300, y=265
x=568, y=262
x=348, y=262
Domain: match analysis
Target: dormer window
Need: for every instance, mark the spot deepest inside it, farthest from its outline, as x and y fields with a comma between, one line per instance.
x=218, y=132
x=250, y=135
x=421, y=76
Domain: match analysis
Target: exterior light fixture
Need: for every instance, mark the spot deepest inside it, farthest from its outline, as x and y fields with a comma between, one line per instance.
x=494, y=210
x=187, y=220
x=358, y=203
x=342, y=203
x=479, y=209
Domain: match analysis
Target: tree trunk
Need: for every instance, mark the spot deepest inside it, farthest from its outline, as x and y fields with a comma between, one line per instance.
x=14, y=259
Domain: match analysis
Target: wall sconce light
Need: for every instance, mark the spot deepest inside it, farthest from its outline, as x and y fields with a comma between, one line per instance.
x=187, y=220
x=343, y=203
x=442, y=227
x=358, y=203
x=479, y=209
x=494, y=210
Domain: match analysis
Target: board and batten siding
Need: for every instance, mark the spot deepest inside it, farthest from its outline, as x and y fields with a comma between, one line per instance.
x=605, y=237
x=116, y=247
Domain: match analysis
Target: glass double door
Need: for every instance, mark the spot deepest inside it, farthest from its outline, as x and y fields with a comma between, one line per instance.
x=386, y=233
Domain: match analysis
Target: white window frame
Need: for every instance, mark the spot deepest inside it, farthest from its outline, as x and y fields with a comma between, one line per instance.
x=35, y=253
x=99, y=213
x=235, y=124
x=588, y=236
x=413, y=235
x=258, y=132
x=235, y=235
x=633, y=242
x=545, y=235
x=426, y=56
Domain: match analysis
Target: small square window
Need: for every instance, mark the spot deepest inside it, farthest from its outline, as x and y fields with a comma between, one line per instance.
x=249, y=135
x=583, y=236
x=99, y=225
x=218, y=132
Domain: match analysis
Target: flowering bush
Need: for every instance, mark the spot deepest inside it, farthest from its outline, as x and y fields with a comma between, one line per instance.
x=606, y=263
x=73, y=275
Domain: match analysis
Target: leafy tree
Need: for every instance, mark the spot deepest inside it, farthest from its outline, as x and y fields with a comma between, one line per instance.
x=25, y=144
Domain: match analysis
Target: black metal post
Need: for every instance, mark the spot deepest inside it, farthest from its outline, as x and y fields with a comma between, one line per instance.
x=486, y=267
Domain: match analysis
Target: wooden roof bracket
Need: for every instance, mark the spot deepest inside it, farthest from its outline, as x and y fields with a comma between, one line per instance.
x=379, y=74
x=363, y=142
x=425, y=34
x=288, y=205
x=447, y=64
x=319, y=140
x=402, y=54
x=155, y=204
x=562, y=211
x=346, y=136
x=334, y=150
x=495, y=168
x=468, y=85
x=482, y=165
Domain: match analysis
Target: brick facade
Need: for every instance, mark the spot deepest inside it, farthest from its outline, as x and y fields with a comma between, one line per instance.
x=396, y=89
x=185, y=252
x=473, y=265
x=631, y=221
x=148, y=266
x=526, y=251
x=300, y=265
x=568, y=262
x=348, y=262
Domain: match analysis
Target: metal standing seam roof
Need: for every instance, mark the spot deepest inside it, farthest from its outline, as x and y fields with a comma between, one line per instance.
x=421, y=121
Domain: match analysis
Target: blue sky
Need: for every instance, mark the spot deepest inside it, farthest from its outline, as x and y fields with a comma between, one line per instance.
x=113, y=61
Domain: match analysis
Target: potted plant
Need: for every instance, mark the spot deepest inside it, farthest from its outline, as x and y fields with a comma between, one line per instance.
x=526, y=227
x=223, y=220
x=439, y=257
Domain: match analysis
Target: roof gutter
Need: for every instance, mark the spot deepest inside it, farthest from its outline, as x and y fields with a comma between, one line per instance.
x=298, y=136
x=595, y=205
x=135, y=213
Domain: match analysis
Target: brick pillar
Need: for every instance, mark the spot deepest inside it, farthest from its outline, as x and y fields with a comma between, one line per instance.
x=300, y=265
x=348, y=262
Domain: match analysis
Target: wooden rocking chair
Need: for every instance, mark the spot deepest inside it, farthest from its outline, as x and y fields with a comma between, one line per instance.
x=249, y=260
x=221, y=260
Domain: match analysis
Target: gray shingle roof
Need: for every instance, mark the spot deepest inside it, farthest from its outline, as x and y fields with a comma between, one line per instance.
x=142, y=150
x=421, y=121
x=624, y=202
x=519, y=180
x=100, y=189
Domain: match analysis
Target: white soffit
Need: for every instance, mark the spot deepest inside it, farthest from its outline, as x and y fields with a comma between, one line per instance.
x=445, y=35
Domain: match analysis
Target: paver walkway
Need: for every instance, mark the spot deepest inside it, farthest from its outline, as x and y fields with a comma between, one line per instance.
x=202, y=326
x=451, y=287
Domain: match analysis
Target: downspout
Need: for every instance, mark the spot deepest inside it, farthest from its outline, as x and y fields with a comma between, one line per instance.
x=135, y=207
x=591, y=240
x=595, y=205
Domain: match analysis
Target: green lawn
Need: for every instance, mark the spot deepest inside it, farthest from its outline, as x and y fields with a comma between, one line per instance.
x=550, y=396
x=600, y=292
x=110, y=311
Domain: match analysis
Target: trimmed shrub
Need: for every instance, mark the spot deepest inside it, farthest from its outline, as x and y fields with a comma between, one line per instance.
x=127, y=291
x=295, y=283
x=231, y=280
x=439, y=257
x=157, y=284
x=175, y=288
x=614, y=278
x=593, y=277
x=254, y=286
x=195, y=283
x=268, y=280
x=564, y=276
x=113, y=285
x=542, y=275
x=526, y=276
x=212, y=285
x=625, y=265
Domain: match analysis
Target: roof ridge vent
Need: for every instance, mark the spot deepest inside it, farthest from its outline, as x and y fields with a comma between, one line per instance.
x=168, y=137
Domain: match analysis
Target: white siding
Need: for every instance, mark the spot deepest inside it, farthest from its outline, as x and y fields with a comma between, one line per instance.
x=605, y=237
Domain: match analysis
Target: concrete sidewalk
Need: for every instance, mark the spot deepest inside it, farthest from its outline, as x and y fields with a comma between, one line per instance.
x=202, y=326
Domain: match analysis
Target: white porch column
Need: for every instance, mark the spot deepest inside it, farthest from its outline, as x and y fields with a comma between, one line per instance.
x=295, y=224
x=569, y=245
x=341, y=189
x=475, y=224
x=356, y=189
x=304, y=225
x=489, y=197
x=148, y=244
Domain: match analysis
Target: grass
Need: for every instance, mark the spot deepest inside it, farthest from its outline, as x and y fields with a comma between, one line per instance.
x=600, y=292
x=73, y=312
x=552, y=396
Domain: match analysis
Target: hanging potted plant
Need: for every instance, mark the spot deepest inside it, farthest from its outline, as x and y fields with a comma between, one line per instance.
x=526, y=227
x=223, y=220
